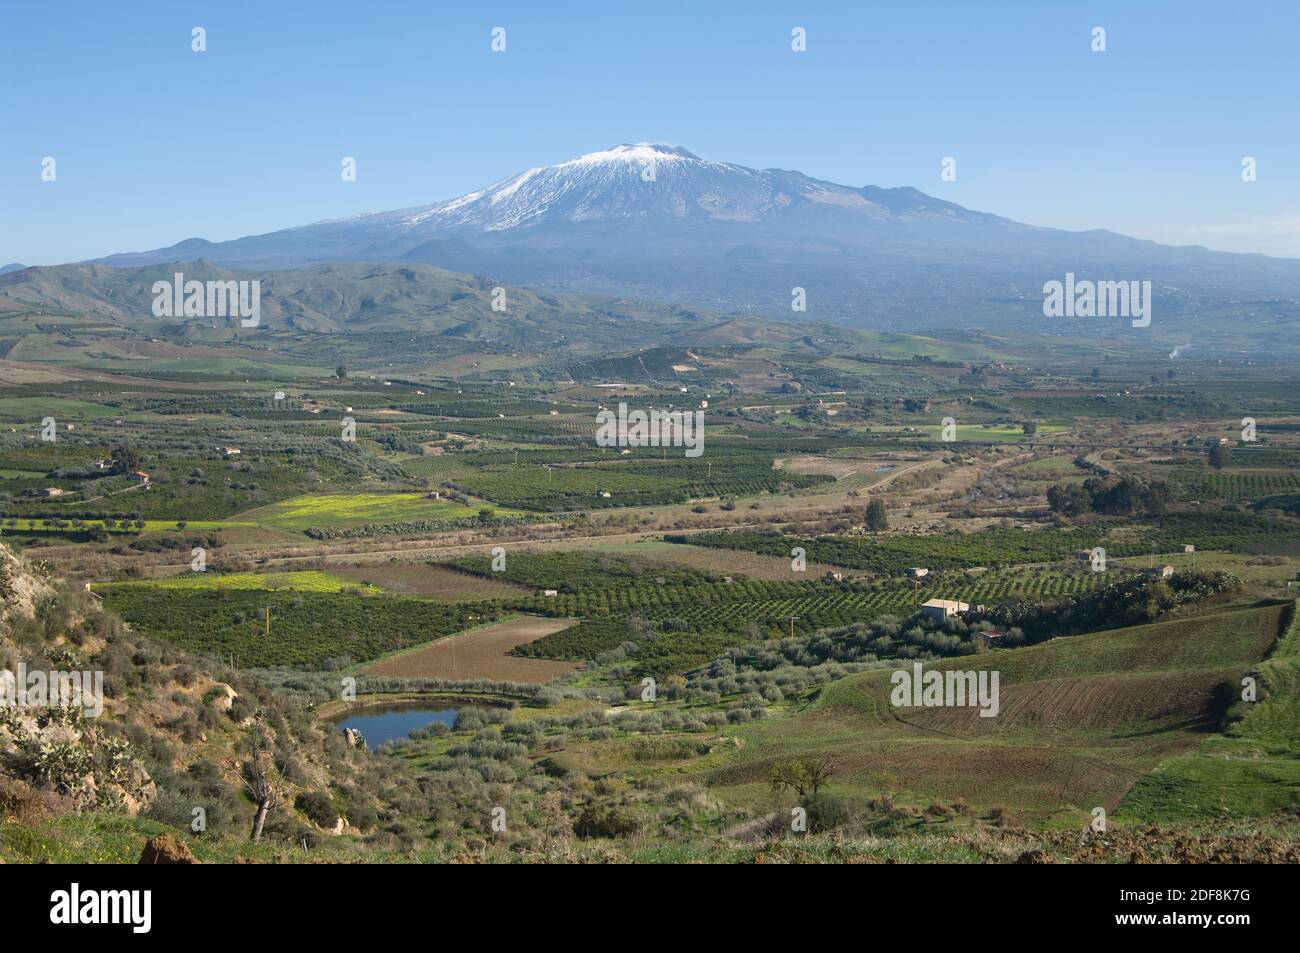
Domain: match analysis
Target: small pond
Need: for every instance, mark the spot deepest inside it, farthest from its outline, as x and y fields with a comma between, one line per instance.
x=382, y=723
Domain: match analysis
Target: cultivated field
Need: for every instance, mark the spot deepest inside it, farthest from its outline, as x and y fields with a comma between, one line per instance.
x=1082, y=718
x=481, y=653
x=331, y=510
x=430, y=580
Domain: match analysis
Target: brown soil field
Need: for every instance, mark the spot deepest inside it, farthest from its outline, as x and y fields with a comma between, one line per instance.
x=410, y=578
x=1095, y=702
x=481, y=653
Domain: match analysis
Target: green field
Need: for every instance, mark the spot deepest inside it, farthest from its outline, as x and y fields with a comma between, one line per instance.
x=1081, y=720
x=34, y=408
x=303, y=581
x=307, y=626
x=1250, y=771
x=333, y=510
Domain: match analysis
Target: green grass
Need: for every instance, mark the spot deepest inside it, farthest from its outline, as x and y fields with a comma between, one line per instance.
x=332, y=510
x=302, y=581
x=1082, y=719
x=57, y=407
x=1251, y=771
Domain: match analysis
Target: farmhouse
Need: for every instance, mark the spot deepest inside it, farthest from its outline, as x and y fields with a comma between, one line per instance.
x=918, y=572
x=1189, y=549
x=231, y=451
x=832, y=576
x=1164, y=572
x=550, y=592
x=53, y=491
x=139, y=476
x=941, y=610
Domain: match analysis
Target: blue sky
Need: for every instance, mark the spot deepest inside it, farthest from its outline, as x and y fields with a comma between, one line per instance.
x=155, y=143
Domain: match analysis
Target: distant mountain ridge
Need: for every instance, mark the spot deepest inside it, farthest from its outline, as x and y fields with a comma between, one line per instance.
x=659, y=222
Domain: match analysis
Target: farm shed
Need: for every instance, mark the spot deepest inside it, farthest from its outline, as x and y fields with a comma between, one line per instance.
x=941, y=610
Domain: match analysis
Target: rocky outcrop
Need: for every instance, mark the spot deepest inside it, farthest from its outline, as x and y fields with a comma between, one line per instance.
x=21, y=591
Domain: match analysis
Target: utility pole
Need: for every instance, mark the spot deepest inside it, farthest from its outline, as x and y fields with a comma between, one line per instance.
x=793, y=620
x=268, y=622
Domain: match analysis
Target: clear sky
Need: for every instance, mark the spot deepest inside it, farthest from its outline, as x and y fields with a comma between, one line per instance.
x=155, y=143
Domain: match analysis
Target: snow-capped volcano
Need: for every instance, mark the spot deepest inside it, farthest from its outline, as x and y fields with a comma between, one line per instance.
x=596, y=185
x=658, y=221
x=652, y=181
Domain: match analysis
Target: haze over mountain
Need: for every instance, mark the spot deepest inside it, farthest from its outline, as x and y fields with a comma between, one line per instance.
x=659, y=222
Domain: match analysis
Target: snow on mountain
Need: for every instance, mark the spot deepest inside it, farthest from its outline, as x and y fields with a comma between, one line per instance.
x=659, y=222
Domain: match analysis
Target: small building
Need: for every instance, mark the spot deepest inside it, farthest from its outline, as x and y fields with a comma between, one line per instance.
x=832, y=576
x=941, y=610
x=230, y=452
x=918, y=572
x=1164, y=572
x=550, y=592
x=704, y=405
x=138, y=476
x=1084, y=555
x=1189, y=549
x=605, y=494
x=53, y=491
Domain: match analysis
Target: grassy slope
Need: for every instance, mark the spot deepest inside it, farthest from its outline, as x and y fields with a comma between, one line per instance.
x=1082, y=718
x=1251, y=770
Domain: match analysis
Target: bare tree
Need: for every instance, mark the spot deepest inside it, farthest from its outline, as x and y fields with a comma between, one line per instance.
x=265, y=785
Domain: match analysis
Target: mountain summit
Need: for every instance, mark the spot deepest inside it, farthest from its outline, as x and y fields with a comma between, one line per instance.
x=657, y=221
x=647, y=180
